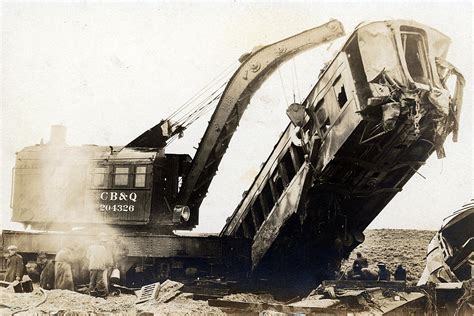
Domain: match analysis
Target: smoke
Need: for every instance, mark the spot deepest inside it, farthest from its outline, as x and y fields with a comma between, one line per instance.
x=52, y=186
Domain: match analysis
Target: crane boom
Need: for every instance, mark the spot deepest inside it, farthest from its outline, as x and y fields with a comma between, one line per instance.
x=254, y=69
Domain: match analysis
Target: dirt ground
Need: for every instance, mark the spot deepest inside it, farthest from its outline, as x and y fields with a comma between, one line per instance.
x=64, y=302
x=388, y=245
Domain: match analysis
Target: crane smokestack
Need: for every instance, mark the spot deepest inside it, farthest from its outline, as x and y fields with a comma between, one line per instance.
x=58, y=135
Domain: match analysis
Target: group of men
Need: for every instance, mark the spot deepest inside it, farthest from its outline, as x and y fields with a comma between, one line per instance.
x=65, y=270
x=360, y=270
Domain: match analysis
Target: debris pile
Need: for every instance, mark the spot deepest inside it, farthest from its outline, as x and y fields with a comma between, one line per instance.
x=170, y=300
x=45, y=302
x=182, y=304
x=335, y=297
x=251, y=298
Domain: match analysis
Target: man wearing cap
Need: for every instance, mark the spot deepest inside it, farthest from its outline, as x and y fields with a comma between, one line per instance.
x=100, y=259
x=34, y=268
x=15, y=266
x=41, y=260
x=383, y=274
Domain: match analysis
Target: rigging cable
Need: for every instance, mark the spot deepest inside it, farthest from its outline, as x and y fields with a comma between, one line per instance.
x=296, y=79
x=283, y=86
x=213, y=82
x=212, y=97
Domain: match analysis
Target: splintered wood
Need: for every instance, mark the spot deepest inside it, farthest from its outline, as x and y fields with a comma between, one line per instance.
x=162, y=294
x=148, y=292
x=169, y=290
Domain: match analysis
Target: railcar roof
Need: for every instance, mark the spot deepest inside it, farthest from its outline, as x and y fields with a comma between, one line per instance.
x=87, y=152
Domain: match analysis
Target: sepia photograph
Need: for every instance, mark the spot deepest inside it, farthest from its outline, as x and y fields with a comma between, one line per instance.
x=236, y=157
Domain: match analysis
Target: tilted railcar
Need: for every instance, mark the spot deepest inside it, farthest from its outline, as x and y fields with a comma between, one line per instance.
x=380, y=108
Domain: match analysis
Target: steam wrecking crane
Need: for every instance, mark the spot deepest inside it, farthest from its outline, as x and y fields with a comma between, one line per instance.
x=138, y=192
x=380, y=108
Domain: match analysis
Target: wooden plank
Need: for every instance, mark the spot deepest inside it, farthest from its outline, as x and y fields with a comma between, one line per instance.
x=259, y=307
x=363, y=284
x=169, y=290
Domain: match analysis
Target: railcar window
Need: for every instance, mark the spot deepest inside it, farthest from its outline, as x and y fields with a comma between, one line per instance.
x=140, y=177
x=121, y=176
x=288, y=163
x=323, y=120
x=340, y=91
x=267, y=195
x=278, y=181
x=100, y=177
x=415, y=56
x=319, y=105
x=322, y=116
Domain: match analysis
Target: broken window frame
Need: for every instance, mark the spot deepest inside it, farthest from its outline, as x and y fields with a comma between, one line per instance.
x=339, y=81
x=422, y=55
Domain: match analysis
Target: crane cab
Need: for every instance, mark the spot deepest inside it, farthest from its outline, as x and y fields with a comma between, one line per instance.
x=61, y=186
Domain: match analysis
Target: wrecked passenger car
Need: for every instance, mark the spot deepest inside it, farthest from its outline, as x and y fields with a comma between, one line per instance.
x=450, y=255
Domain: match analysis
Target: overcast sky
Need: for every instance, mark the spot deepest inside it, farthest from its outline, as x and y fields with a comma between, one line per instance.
x=109, y=71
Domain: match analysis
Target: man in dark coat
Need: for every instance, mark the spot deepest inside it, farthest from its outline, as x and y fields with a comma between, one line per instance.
x=34, y=268
x=400, y=273
x=47, y=276
x=383, y=274
x=41, y=261
x=33, y=271
x=62, y=269
x=359, y=263
x=15, y=266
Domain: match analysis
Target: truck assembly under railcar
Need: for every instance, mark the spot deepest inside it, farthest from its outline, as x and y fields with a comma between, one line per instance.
x=380, y=108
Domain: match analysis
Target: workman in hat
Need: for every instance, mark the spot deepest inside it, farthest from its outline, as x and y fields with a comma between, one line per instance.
x=41, y=260
x=383, y=274
x=34, y=268
x=15, y=266
x=100, y=260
